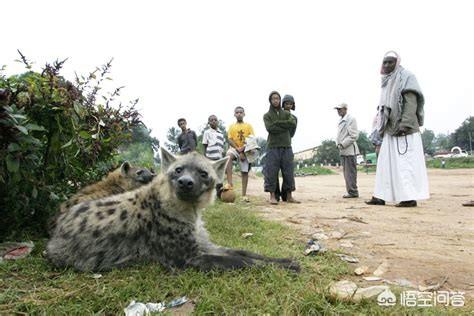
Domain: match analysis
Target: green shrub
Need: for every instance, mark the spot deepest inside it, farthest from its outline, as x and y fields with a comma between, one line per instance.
x=55, y=137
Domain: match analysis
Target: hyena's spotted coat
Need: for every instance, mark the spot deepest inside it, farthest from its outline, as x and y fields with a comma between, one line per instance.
x=158, y=222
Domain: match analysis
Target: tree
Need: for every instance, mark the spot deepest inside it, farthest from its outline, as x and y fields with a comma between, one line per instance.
x=140, y=149
x=365, y=145
x=464, y=134
x=442, y=142
x=172, y=137
x=327, y=153
x=427, y=138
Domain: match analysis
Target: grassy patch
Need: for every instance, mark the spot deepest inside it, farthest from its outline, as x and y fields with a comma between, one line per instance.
x=316, y=170
x=364, y=169
x=452, y=163
x=32, y=286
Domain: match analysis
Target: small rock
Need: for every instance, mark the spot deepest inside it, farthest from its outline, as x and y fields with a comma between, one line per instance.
x=96, y=276
x=432, y=285
x=381, y=269
x=347, y=244
x=372, y=278
x=336, y=235
x=348, y=258
x=348, y=290
x=361, y=270
x=343, y=289
x=247, y=235
x=423, y=288
x=401, y=282
x=369, y=292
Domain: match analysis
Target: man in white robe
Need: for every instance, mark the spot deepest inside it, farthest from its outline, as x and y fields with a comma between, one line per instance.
x=401, y=170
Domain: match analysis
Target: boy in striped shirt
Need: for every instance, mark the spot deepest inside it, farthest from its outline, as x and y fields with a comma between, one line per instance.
x=213, y=140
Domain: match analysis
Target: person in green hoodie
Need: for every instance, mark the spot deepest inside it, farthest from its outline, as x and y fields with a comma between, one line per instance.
x=288, y=104
x=279, y=124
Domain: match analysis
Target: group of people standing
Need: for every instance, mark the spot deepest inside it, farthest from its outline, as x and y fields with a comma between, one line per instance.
x=281, y=127
x=401, y=171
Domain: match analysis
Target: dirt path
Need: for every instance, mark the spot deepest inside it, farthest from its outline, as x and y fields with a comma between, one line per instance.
x=430, y=242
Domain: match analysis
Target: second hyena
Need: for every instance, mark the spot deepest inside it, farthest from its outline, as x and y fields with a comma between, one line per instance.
x=123, y=179
x=160, y=222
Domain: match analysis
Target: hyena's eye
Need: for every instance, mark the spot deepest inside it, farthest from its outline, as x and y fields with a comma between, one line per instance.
x=203, y=174
x=178, y=170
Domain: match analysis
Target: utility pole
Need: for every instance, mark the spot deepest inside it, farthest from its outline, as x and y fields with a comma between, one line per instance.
x=470, y=142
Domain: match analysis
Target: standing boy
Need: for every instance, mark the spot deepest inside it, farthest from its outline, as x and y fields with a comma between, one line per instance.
x=187, y=140
x=237, y=134
x=213, y=140
x=288, y=104
x=279, y=123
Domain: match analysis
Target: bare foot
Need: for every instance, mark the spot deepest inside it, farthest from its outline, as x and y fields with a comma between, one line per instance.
x=292, y=200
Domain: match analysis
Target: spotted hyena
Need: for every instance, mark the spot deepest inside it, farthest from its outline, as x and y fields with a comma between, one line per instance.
x=123, y=179
x=159, y=222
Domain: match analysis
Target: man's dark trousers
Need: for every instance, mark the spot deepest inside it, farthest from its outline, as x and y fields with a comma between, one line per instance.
x=349, y=166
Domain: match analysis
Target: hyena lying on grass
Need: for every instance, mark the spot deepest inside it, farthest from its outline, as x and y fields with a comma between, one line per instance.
x=159, y=222
x=123, y=179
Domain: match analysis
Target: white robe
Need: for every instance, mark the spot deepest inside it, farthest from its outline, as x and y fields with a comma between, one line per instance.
x=401, y=172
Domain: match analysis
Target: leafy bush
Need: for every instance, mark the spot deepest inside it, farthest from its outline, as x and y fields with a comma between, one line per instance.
x=55, y=136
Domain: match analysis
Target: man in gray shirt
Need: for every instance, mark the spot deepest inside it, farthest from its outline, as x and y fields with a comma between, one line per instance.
x=347, y=135
x=187, y=140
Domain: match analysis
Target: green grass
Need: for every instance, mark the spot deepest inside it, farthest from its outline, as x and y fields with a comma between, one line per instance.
x=452, y=163
x=32, y=286
x=364, y=169
x=317, y=170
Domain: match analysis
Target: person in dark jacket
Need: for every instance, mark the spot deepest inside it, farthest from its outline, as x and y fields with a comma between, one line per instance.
x=288, y=104
x=279, y=124
x=187, y=140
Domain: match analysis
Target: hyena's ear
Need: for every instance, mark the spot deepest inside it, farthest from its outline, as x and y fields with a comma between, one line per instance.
x=125, y=168
x=167, y=159
x=219, y=167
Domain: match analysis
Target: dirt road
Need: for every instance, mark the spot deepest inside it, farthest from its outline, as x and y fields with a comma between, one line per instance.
x=427, y=243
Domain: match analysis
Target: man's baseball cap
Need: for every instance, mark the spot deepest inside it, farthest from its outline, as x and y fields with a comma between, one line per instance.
x=341, y=106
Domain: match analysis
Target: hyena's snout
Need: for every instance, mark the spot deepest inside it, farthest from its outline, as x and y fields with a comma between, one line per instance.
x=186, y=183
x=186, y=188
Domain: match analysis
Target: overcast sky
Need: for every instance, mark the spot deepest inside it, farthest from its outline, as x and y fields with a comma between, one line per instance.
x=195, y=58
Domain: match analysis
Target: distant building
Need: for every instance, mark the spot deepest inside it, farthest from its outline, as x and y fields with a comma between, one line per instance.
x=306, y=154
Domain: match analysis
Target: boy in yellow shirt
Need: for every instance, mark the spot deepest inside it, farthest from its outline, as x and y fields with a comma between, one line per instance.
x=237, y=134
